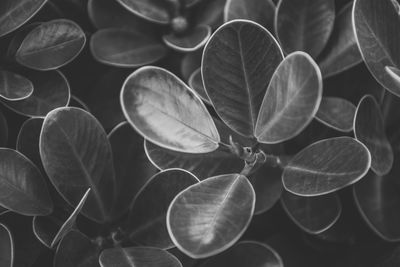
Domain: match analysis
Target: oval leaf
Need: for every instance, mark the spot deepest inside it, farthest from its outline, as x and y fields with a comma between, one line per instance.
x=341, y=52
x=313, y=215
x=370, y=130
x=14, y=86
x=76, y=155
x=209, y=217
x=246, y=253
x=376, y=26
x=14, y=13
x=23, y=188
x=147, y=221
x=51, y=45
x=196, y=83
x=125, y=48
x=195, y=39
x=138, y=257
x=167, y=112
x=233, y=61
x=153, y=10
x=337, y=113
x=6, y=247
x=304, y=25
x=326, y=166
x=291, y=101
x=28, y=139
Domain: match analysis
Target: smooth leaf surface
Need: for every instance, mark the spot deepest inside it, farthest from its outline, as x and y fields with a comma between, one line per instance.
x=246, y=253
x=238, y=63
x=6, y=247
x=14, y=86
x=209, y=217
x=312, y=214
x=337, y=113
x=394, y=74
x=23, y=188
x=14, y=13
x=196, y=83
x=291, y=101
x=138, y=257
x=260, y=11
x=167, y=112
x=45, y=228
x=326, y=166
x=125, y=48
x=376, y=24
x=51, y=91
x=3, y=130
x=51, y=45
x=211, y=13
x=28, y=139
x=369, y=129
x=76, y=155
x=152, y=10
x=195, y=39
x=304, y=25
x=341, y=52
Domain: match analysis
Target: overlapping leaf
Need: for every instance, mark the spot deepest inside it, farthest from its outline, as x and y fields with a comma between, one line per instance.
x=337, y=113
x=152, y=10
x=189, y=42
x=14, y=86
x=6, y=247
x=28, y=139
x=196, y=83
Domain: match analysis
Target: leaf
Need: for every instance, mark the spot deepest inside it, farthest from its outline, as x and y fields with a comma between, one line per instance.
x=246, y=253
x=3, y=210
x=6, y=247
x=14, y=13
x=341, y=52
x=76, y=250
x=394, y=74
x=51, y=91
x=78, y=103
x=46, y=227
x=147, y=217
x=291, y=101
x=3, y=130
x=28, y=139
x=129, y=159
x=370, y=130
x=310, y=22
x=210, y=13
x=260, y=11
x=51, y=45
x=313, y=215
x=195, y=39
x=138, y=257
x=14, y=86
x=189, y=63
x=326, y=166
x=167, y=112
x=376, y=26
x=337, y=113
x=76, y=155
x=23, y=189
x=125, y=48
x=378, y=201
x=209, y=217
x=152, y=10
x=196, y=83
x=238, y=63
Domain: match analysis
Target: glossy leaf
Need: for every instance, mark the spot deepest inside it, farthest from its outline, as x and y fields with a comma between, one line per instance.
x=341, y=52
x=76, y=250
x=14, y=86
x=246, y=253
x=326, y=166
x=378, y=200
x=370, y=130
x=152, y=10
x=291, y=101
x=167, y=112
x=233, y=61
x=312, y=214
x=51, y=45
x=196, y=83
x=195, y=39
x=209, y=217
x=337, y=113
x=76, y=155
x=304, y=25
x=260, y=11
x=6, y=247
x=138, y=257
x=23, y=188
x=147, y=217
x=132, y=168
x=125, y=48
x=28, y=139
x=14, y=13
x=394, y=74
x=51, y=91
x=376, y=24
